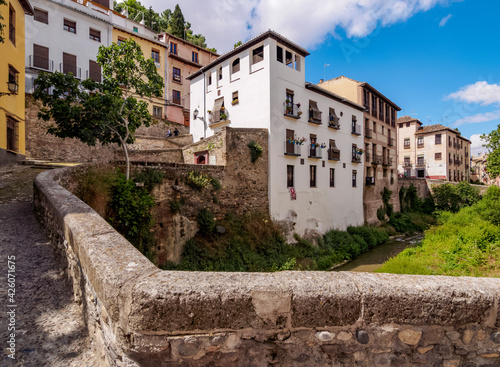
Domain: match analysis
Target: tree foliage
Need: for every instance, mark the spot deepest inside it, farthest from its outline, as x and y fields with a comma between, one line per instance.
x=452, y=198
x=106, y=112
x=178, y=23
x=2, y=2
x=493, y=159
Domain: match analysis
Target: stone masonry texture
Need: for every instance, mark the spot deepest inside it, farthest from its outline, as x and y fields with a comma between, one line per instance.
x=139, y=315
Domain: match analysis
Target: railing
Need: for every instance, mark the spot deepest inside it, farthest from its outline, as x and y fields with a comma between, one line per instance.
x=420, y=145
x=387, y=161
x=356, y=158
x=217, y=116
x=77, y=74
x=315, y=151
x=177, y=78
x=334, y=123
x=334, y=154
x=457, y=162
x=368, y=132
x=94, y=76
x=356, y=129
x=381, y=116
x=41, y=63
x=374, y=111
x=377, y=159
x=391, y=142
x=407, y=164
x=291, y=110
x=407, y=146
x=370, y=181
x=315, y=117
x=420, y=163
x=292, y=148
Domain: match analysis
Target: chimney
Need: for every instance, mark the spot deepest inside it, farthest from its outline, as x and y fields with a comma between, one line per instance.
x=321, y=80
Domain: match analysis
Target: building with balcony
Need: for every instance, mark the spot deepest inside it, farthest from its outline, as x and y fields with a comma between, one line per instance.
x=379, y=128
x=315, y=137
x=433, y=151
x=12, y=87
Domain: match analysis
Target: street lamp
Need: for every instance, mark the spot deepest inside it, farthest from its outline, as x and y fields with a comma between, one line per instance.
x=13, y=89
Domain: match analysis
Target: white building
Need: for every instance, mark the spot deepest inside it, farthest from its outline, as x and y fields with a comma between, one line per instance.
x=261, y=84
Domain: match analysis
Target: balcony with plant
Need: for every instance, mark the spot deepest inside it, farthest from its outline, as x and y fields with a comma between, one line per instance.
x=292, y=109
x=315, y=150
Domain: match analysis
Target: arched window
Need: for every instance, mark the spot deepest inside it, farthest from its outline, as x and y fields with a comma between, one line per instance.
x=235, y=66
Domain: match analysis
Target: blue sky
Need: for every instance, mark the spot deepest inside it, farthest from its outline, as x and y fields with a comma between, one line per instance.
x=439, y=60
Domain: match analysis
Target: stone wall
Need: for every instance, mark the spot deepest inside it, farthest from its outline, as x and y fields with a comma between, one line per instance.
x=424, y=186
x=138, y=315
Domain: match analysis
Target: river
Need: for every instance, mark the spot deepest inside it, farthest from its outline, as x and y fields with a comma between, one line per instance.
x=374, y=259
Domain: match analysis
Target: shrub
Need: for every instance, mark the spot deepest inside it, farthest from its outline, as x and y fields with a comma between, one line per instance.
x=206, y=222
x=150, y=177
x=216, y=184
x=94, y=188
x=381, y=214
x=197, y=180
x=255, y=150
x=175, y=205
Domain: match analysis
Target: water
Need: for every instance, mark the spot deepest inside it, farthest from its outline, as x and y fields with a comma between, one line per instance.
x=374, y=259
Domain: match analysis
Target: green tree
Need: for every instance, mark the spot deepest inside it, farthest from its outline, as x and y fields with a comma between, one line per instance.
x=178, y=23
x=239, y=43
x=106, y=112
x=493, y=144
x=2, y=2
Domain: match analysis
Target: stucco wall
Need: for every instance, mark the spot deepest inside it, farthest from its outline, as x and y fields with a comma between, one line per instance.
x=139, y=315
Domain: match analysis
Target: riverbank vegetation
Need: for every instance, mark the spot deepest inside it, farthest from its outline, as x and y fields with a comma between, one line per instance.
x=466, y=241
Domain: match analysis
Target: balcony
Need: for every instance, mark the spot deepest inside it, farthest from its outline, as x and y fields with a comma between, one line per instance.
x=387, y=161
x=176, y=78
x=42, y=63
x=334, y=154
x=368, y=132
x=420, y=163
x=315, y=117
x=457, y=162
x=76, y=72
x=381, y=116
x=407, y=164
x=334, y=124
x=377, y=159
x=291, y=110
x=356, y=129
x=370, y=181
x=218, y=116
x=391, y=142
x=374, y=111
x=315, y=151
x=292, y=149
x=420, y=145
x=356, y=158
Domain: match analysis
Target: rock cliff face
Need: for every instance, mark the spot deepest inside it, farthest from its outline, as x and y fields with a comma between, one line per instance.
x=139, y=315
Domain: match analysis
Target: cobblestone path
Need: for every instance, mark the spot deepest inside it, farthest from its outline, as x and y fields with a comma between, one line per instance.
x=49, y=326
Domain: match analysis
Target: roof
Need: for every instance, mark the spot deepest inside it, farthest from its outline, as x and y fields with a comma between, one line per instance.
x=189, y=43
x=139, y=35
x=372, y=89
x=337, y=97
x=436, y=128
x=269, y=34
x=408, y=119
x=28, y=10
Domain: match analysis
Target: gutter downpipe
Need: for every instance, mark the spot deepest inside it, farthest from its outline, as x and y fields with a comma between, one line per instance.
x=204, y=106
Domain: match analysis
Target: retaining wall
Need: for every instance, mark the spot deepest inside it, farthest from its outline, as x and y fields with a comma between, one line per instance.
x=139, y=315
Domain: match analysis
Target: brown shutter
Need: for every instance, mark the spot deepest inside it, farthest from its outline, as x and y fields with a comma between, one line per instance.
x=69, y=64
x=94, y=71
x=104, y=3
x=41, y=57
x=41, y=16
x=95, y=35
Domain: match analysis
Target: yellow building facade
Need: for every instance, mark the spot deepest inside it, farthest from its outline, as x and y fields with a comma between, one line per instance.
x=12, y=98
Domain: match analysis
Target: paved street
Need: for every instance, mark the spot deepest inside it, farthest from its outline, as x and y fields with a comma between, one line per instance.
x=49, y=327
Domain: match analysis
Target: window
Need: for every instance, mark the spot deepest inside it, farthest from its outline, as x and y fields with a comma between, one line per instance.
x=155, y=55
x=288, y=59
x=209, y=79
x=69, y=26
x=279, y=54
x=289, y=102
x=420, y=160
x=387, y=111
x=94, y=71
x=314, y=112
x=235, y=98
x=41, y=57
x=13, y=76
x=121, y=41
x=69, y=64
x=41, y=16
x=235, y=66
x=407, y=162
x=176, y=97
x=449, y=141
x=289, y=176
x=420, y=173
x=437, y=156
x=437, y=139
x=381, y=110
x=194, y=57
x=420, y=141
x=290, y=147
x=219, y=73
x=95, y=35
x=314, y=150
x=218, y=111
x=333, y=120
x=401, y=125
x=333, y=151
x=173, y=48
x=12, y=135
x=374, y=127
x=332, y=177
x=366, y=99
x=176, y=75
x=257, y=54
x=407, y=143
x=407, y=124
x=312, y=176
x=384, y=172
x=374, y=105
x=157, y=111
x=354, y=181
x=136, y=30
x=12, y=24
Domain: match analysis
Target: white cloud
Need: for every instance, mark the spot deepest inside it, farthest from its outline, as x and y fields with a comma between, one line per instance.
x=480, y=117
x=477, y=145
x=224, y=22
x=480, y=92
x=445, y=20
